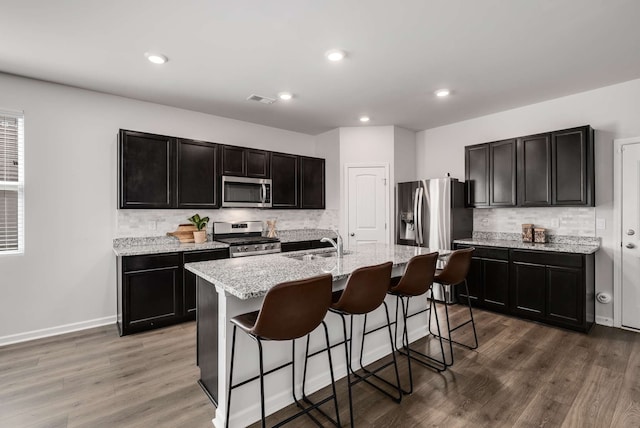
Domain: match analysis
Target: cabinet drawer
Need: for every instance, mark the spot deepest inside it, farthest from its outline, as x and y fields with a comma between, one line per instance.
x=497, y=253
x=295, y=246
x=135, y=263
x=202, y=256
x=547, y=258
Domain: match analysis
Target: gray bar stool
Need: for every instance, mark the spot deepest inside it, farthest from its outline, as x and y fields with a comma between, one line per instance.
x=365, y=291
x=455, y=273
x=290, y=311
x=416, y=281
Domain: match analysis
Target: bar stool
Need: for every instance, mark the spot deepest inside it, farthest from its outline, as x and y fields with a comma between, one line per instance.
x=455, y=273
x=290, y=310
x=416, y=281
x=365, y=291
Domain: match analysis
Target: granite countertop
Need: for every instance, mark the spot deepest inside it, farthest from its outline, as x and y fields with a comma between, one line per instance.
x=168, y=244
x=250, y=277
x=560, y=247
x=159, y=244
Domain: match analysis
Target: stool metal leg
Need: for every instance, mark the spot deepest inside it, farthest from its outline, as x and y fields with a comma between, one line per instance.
x=260, y=356
x=348, y=362
x=373, y=373
x=233, y=351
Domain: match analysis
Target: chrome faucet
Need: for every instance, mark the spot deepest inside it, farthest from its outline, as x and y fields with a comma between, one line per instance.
x=337, y=244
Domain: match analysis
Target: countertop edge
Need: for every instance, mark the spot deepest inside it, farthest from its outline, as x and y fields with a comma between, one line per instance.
x=547, y=247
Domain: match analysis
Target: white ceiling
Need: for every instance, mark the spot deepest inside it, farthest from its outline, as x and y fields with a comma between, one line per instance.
x=494, y=54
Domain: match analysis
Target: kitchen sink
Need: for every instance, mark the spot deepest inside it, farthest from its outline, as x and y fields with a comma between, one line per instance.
x=315, y=256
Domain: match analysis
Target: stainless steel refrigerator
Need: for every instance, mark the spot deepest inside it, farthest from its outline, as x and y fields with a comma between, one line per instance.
x=431, y=213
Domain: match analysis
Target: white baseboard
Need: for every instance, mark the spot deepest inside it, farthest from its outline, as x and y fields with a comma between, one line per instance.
x=54, y=331
x=604, y=321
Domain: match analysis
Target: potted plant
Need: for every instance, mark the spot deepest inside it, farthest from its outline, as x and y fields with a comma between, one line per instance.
x=200, y=235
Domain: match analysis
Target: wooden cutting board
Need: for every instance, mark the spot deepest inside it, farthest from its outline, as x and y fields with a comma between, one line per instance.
x=184, y=233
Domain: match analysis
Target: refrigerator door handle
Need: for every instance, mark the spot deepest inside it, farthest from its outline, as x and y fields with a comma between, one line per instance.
x=416, y=222
x=420, y=207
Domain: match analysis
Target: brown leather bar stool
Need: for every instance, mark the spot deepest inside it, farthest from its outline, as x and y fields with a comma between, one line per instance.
x=290, y=311
x=453, y=274
x=416, y=281
x=365, y=291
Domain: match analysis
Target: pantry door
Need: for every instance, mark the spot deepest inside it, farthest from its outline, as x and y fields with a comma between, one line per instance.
x=367, y=204
x=630, y=239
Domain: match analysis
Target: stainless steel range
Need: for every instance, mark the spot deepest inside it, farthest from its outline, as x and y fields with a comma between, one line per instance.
x=245, y=238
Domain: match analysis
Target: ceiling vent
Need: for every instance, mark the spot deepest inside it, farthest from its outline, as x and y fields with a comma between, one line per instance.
x=260, y=99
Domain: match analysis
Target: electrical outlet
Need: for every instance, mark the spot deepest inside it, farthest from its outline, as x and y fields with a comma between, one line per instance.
x=601, y=224
x=554, y=223
x=153, y=225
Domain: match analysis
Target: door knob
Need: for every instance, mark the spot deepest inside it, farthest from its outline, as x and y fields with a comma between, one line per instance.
x=630, y=245
x=631, y=232
x=352, y=234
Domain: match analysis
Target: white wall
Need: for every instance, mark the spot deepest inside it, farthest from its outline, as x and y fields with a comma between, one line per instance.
x=613, y=111
x=67, y=274
x=404, y=155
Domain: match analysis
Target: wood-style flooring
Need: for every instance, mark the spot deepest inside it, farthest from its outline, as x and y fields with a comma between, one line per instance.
x=523, y=374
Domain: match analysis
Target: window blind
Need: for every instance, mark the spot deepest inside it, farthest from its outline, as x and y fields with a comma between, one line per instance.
x=11, y=183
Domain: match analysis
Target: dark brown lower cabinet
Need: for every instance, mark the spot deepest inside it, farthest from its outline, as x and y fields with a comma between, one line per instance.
x=550, y=287
x=150, y=292
x=303, y=245
x=156, y=291
x=488, y=278
x=189, y=308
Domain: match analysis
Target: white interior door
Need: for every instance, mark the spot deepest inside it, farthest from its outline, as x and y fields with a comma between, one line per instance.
x=630, y=261
x=367, y=204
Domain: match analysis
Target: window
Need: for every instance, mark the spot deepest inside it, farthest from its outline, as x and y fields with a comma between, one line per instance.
x=11, y=183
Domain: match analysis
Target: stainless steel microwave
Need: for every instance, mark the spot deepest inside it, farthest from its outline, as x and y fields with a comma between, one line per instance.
x=242, y=192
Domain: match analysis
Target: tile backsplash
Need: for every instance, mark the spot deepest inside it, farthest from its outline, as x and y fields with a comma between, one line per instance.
x=140, y=223
x=572, y=221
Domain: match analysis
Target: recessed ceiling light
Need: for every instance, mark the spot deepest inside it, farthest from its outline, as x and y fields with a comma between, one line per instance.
x=156, y=58
x=365, y=118
x=335, y=55
x=285, y=96
x=442, y=93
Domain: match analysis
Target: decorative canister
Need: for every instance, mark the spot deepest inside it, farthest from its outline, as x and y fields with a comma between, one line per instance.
x=540, y=235
x=527, y=233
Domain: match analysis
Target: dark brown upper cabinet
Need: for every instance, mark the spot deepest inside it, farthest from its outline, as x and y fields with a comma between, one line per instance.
x=196, y=174
x=284, y=178
x=572, y=167
x=156, y=171
x=502, y=173
x=146, y=170
x=534, y=170
x=490, y=172
x=477, y=175
x=552, y=169
x=312, y=183
x=244, y=162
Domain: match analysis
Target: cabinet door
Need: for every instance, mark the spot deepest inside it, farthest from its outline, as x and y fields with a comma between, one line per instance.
x=534, y=170
x=189, y=299
x=257, y=163
x=152, y=297
x=565, y=291
x=474, y=282
x=528, y=289
x=145, y=170
x=496, y=284
x=196, y=178
x=312, y=183
x=233, y=161
x=284, y=177
x=295, y=246
x=502, y=173
x=572, y=180
x=477, y=175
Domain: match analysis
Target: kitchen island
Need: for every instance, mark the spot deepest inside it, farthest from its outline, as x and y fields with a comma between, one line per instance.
x=230, y=287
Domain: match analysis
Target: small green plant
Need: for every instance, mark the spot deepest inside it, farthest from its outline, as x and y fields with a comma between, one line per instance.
x=200, y=223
